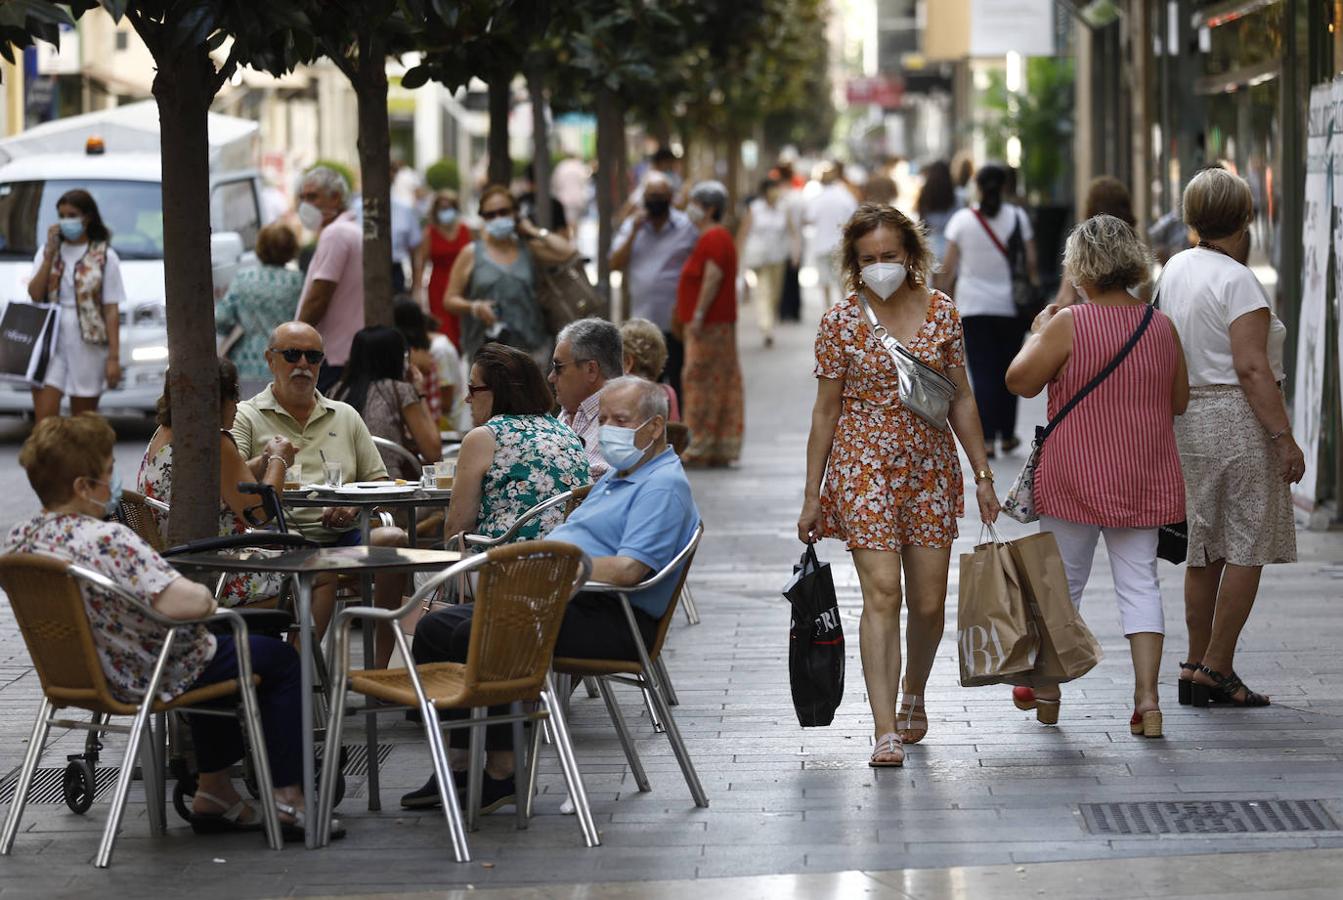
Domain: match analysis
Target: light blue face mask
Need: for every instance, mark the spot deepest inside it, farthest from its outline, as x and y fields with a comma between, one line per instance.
x=447, y=216
x=72, y=229
x=501, y=228
x=114, y=493
x=617, y=446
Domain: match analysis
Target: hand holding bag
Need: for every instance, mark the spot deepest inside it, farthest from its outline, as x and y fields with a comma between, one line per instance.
x=995, y=635
x=815, y=642
x=924, y=391
x=1020, y=501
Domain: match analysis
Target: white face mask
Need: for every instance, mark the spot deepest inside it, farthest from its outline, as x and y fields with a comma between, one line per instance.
x=310, y=216
x=884, y=279
x=694, y=213
x=617, y=446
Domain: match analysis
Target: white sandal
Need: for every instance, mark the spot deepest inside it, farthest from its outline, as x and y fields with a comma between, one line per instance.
x=231, y=819
x=297, y=829
x=888, y=745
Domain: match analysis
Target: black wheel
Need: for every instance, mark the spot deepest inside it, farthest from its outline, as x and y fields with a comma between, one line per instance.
x=183, y=792
x=79, y=785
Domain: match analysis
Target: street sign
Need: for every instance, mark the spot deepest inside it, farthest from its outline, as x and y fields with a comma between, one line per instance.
x=879, y=91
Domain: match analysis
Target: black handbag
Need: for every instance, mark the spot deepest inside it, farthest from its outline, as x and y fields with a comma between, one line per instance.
x=1025, y=296
x=815, y=642
x=1172, y=542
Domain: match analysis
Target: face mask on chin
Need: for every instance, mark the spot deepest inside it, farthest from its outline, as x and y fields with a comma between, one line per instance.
x=884, y=279
x=617, y=446
x=695, y=214
x=113, y=500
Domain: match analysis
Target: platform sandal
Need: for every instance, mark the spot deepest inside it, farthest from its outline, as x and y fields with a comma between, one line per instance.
x=1146, y=724
x=1185, y=691
x=1229, y=686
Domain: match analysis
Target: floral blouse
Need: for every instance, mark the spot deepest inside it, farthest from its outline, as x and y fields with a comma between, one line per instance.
x=535, y=458
x=128, y=642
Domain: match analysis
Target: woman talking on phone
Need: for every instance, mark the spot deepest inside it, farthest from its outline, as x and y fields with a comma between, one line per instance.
x=78, y=270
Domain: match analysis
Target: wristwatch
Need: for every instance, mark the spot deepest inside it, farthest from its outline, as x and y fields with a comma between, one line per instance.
x=543, y=233
x=983, y=475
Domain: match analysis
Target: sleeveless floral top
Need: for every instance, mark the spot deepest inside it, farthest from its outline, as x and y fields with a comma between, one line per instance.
x=535, y=458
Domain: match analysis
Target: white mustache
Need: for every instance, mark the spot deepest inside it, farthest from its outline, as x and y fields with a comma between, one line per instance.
x=300, y=373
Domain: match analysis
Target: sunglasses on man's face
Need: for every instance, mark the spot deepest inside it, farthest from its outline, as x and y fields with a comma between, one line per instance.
x=496, y=213
x=291, y=356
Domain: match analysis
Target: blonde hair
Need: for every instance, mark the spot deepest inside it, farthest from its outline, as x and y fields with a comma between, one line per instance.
x=870, y=217
x=644, y=345
x=1217, y=204
x=63, y=448
x=1106, y=252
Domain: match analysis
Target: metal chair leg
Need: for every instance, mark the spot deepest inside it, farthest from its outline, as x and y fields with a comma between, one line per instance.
x=667, y=690
x=369, y=640
x=255, y=736
x=539, y=727
x=590, y=684
x=623, y=732
x=569, y=764
x=26, y=773
x=519, y=807
x=688, y=605
x=151, y=776
x=447, y=791
x=475, y=779
x=652, y=712
x=331, y=747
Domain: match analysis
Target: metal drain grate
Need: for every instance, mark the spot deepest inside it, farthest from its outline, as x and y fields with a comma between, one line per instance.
x=48, y=784
x=1207, y=817
x=356, y=758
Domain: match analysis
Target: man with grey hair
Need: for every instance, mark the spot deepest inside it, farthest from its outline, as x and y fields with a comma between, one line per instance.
x=638, y=516
x=587, y=354
x=333, y=292
x=651, y=249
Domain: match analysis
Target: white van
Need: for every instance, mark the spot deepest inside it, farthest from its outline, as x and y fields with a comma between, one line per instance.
x=36, y=167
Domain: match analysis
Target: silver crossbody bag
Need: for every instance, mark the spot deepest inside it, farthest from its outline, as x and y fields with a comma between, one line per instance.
x=924, y=391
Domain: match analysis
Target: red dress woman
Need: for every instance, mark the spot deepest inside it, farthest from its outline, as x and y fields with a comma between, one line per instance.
x=445, y=236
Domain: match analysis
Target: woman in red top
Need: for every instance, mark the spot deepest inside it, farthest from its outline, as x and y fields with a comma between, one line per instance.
x=712, y=404
x=444, y=237
x=1111, y=466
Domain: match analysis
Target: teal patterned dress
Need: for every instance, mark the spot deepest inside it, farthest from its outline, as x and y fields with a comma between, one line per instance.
x=258, y=299
x=535, y=458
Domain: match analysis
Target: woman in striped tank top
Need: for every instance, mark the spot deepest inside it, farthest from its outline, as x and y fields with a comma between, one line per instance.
x=1111, y=466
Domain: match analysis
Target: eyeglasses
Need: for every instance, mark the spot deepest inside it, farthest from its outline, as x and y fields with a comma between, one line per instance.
x=558, y=367
x=473, y=389
x=495, y=213
x=314, y=357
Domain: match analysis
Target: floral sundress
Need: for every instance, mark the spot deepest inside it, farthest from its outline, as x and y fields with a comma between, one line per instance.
x=892, y=479
x=535, y=458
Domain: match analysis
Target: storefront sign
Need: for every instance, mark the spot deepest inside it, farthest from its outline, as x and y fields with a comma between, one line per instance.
x=879, y=91
x=1308, y=379
x=999, y=27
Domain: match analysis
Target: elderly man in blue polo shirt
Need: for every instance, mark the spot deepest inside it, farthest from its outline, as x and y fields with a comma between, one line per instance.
x=635, y=520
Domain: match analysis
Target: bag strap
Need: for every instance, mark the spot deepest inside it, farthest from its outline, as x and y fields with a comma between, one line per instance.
x=1104, y=374
x=992, y=236
x=892, y=343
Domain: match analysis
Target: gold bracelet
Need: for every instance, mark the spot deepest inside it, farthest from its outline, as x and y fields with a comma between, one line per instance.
x=983, y=475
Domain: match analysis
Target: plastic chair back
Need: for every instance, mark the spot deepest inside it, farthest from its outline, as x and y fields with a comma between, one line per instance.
x=678, y=435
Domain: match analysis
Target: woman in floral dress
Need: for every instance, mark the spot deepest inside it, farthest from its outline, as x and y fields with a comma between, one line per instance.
x=893, y=488
x=517, y=455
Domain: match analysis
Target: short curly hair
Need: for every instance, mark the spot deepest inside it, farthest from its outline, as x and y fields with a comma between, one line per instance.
x=644, y=344
x=1106, y=252
x=870, y=217
x=63, y=448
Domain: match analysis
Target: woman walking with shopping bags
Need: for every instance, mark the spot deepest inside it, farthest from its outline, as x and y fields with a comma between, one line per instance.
x=892, y=487
x=1108, y=465
x=1236, y=441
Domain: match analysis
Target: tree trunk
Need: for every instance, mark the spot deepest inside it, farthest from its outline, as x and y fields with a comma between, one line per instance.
x=183, y=88
x=536, y=87
x=375, y=175
x=608, y=125
x=500, y=165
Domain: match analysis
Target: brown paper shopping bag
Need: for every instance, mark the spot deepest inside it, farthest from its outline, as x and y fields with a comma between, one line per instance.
x=994, y=636
x=1068, y=649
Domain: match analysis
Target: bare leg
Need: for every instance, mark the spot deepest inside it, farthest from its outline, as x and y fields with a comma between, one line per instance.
x=388, y=593
x=1145, y=649
x=323, y=603
x=879, y=633
x=46, y=403
x=926, y=571
x=82, y=405
x=1235, y=599
x=1200, y=599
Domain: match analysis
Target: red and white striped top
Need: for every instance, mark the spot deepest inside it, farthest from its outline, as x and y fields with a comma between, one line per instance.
x=1113, y=461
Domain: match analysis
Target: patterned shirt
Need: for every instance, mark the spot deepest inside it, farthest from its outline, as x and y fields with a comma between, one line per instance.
x=584, y=423
x=128, y=641
x=258, y=299
x=535, y=458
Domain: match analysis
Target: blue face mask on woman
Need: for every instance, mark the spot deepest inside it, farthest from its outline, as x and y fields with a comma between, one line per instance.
x=72, y=229
x=617, y=446
x=114, y=493
x=501, y=228
x=447, y=216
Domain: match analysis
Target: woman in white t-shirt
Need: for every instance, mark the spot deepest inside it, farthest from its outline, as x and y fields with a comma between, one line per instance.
x=1235, y=440
x=767, y=239
x=78, y=270
x=976, y=272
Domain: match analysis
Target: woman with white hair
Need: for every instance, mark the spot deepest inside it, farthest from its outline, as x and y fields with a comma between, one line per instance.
x=1110, y=466
x=1236, y=442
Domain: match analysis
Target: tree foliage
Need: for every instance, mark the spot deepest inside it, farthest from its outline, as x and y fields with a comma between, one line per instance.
x=1041, y=117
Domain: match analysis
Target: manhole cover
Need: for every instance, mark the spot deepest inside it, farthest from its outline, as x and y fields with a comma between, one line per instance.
x=1207, y=817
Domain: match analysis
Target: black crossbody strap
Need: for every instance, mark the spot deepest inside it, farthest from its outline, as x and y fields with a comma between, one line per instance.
x=1104, y=374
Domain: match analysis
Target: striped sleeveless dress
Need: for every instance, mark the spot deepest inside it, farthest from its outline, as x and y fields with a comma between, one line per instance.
x=1113, y=461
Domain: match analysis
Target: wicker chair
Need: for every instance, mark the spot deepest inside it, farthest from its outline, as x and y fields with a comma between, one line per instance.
x=647, y=673
x=138, y=513
x=45, y=595
x=521, y=594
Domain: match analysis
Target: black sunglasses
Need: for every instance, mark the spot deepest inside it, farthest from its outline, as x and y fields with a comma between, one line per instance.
x=495, y=213
x=473, y=389
x=314, y=357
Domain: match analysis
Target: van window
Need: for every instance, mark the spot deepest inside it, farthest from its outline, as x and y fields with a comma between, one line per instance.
x=131, y=210
x=236, y=202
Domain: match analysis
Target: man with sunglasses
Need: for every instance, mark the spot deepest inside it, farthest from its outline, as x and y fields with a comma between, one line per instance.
x=291, y=413
x=587, y=354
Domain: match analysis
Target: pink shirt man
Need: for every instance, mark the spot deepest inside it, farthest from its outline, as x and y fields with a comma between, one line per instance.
x=339, y=258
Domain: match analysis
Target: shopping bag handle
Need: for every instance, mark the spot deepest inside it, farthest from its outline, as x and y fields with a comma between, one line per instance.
x=809, y=555
x=993, y=533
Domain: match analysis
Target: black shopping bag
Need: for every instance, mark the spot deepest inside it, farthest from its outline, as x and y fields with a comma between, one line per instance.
x=815, y=642
x=27, y=333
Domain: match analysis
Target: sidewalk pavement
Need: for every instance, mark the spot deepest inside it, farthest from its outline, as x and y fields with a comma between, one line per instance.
x=987, y=787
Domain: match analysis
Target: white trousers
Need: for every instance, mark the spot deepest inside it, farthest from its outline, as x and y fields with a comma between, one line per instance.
x=1132, y=562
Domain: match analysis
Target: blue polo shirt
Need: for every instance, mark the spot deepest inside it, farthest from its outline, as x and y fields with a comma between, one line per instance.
x=647, y=515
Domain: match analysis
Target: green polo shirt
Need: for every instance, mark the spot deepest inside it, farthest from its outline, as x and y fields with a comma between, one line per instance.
x=333, y=429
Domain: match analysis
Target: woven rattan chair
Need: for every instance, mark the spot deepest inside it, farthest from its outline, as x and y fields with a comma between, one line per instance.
x=568, y=499
x=647, y=673
x=521, y=594
x=45, y=594
x=137, y=512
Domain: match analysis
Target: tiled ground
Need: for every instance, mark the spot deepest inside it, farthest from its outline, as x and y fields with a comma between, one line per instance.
x=988, y=786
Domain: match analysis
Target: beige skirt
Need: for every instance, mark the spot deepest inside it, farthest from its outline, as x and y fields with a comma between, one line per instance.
x=1237, y=505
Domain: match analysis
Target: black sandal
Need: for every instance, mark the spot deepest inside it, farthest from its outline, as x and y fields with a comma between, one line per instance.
x=1229, y=686
x=1185, y=691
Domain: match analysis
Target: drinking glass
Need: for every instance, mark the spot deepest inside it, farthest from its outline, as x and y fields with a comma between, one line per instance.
x=293, y=477
x=427, y=476
x=447, y=470
x=331, y=470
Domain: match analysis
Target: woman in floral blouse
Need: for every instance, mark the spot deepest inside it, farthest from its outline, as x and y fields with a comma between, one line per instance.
x=517, y=455
x=893, y=486
x=70, y=466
